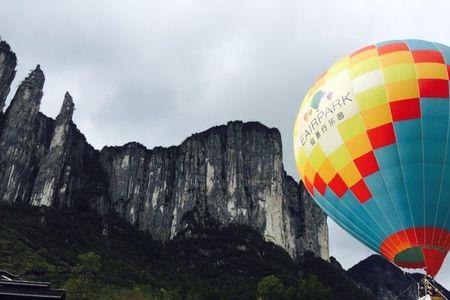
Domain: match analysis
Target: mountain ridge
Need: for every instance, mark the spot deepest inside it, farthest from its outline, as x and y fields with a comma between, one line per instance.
x=384, y=279
x=233, y=172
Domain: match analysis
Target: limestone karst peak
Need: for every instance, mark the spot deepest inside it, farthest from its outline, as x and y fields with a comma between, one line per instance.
x=34, y=81
x=36, y=76
x=7, y=71
x=28, y=96
x=67, y=107
x=5, y=48
x=68, y=97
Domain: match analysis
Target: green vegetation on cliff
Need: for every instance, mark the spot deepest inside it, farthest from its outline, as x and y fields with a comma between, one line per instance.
x=97, y=257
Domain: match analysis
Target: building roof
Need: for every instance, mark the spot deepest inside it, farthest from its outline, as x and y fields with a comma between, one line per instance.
x=12, y=286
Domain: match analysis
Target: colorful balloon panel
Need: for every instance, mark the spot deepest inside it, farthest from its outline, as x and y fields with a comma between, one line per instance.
x=371, y=145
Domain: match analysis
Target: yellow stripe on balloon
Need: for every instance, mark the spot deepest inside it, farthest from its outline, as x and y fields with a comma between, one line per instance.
x=371, y=98
x=340, y=158
x=351, y=127
x=431, y=71
x=363, y=56
x=338, y=67
x=364, y=67
x=395, y=58
x=350, y=174
x=402, y=90
x=400, y=72
x=317, y=157
x=326, y=171
x=377, y=116
x=359, y=145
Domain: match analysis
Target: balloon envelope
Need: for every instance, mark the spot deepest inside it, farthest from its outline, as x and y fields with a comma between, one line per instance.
x=371, y=143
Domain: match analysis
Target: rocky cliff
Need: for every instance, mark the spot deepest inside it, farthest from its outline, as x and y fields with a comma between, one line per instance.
x=231, y=173
x=8, y=64
x=385, y=281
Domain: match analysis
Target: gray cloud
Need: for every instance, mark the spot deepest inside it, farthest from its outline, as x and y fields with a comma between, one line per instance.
x=157, y=71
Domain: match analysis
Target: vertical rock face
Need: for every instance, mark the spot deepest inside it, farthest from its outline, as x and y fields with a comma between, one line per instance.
x=7, y=71
x=140, y=185
x=18, y=140
x=51, y=181
x=231, y=173
x=309, y=223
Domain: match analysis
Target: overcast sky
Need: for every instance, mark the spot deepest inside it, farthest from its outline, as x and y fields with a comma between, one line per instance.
x=158, y=71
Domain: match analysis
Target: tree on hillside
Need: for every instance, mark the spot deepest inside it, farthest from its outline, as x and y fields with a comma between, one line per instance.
x=271, y=288
x=84, y=282
x=312, y=289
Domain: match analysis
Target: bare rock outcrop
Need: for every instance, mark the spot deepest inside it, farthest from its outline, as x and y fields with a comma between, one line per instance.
x=8, y=64
x=20, y=138
x=231, y=173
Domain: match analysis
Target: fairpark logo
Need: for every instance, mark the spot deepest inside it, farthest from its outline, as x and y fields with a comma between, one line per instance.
x=320, y=120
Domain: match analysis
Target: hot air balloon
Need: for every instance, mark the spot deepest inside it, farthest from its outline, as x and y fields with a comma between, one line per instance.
x=371, y=144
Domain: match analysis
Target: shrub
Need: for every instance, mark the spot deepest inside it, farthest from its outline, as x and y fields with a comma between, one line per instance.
x=271, y=288
x=312, y=289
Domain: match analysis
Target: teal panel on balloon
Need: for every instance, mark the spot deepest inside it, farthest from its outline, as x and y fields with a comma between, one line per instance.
x=435, y=116
x=409, y=143
x=347, y=220
x=381, y=207
x=421, y=45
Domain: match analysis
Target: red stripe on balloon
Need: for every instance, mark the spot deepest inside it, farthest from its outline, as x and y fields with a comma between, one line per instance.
x=392, y=48
x=433, y=260
x=362, y=50
x=367, y=164
x=338, y=186
x=427, y=56
x=381, y=136
x=309, y=186
x=432, y=241
x=319, y=184
x=361, y=191
x=433, y=88
x=405, y=109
